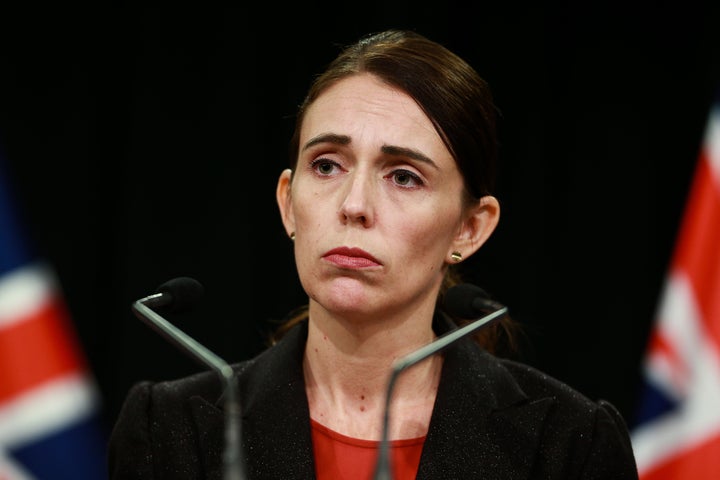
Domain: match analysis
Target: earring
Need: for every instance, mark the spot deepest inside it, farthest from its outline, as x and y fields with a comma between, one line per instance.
x=292, y=236
x=456, y=256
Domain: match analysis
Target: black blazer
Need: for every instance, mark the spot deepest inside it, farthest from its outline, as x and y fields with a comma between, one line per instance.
x=493, y=419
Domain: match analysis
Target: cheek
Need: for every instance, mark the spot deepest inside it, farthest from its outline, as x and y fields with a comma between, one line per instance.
x=308, y=211
x=311, y=214
x=427, y=238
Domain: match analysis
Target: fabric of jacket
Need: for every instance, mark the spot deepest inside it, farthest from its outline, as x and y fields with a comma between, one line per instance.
x=493, y=419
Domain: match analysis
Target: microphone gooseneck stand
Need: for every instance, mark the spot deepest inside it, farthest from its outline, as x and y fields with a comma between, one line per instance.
x=383, y=470
x=233, y=468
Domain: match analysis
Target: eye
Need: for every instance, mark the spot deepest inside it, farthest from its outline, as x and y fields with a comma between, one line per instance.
x=406, y=178
x=323, y=166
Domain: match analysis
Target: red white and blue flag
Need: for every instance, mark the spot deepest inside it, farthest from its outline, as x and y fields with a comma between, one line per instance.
x=677, y=435
x=50, y=426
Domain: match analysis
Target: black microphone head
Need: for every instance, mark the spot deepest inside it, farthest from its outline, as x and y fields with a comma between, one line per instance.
x=184, y=292
x=466, y=300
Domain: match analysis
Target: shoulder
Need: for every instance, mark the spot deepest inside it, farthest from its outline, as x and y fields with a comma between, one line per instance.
x=167, y=426
x=499, y=381
x=567, y=400
x=206, y=384
x=593, y=429
x=536, y=383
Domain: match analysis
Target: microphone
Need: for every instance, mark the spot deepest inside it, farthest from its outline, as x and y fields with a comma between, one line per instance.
x=177, y=295
x=468, y=301
x=464, y=301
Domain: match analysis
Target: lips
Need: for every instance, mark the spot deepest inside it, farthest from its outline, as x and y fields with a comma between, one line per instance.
x=351, y=258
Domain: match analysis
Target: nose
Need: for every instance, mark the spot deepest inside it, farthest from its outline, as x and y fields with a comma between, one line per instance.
x=357, y=205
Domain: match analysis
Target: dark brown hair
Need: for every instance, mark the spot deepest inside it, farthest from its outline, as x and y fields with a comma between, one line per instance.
x=453, y=96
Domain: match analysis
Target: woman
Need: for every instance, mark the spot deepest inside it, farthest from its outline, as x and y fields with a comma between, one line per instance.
x=390, y=185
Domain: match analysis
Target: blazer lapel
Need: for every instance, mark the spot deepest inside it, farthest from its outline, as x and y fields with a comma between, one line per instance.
x=210, y=423
x=483, y=425
x=275, y=430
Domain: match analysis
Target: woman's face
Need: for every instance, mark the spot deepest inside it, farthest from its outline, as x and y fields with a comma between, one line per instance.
x=375, y=202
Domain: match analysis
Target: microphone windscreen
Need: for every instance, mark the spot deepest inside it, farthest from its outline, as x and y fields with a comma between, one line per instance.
x=465, y=300
x=184, y=292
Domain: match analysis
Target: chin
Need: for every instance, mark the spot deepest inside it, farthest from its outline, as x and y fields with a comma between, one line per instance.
x=345, y=296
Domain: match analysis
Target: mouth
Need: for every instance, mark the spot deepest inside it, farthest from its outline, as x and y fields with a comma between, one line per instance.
x=351, y=258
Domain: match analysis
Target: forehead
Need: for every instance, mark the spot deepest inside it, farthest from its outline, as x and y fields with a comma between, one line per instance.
x=362, y=106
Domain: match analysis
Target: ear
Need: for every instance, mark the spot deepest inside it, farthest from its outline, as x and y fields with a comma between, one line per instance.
x=480, y=222
x=284, y=200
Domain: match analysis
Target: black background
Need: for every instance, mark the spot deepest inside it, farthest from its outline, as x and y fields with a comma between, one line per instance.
x=145, y=144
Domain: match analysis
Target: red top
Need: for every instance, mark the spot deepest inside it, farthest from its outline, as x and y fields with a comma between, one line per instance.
x=338, y=457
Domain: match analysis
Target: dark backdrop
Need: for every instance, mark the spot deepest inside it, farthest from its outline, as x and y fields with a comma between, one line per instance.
x=145, y=144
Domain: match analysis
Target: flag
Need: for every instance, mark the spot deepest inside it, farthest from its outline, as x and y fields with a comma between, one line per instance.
x=50, y=424
x=677, y=432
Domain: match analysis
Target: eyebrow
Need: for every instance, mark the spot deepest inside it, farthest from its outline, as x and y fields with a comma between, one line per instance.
x=327, y=138
x=408, y=152
x=387, y=149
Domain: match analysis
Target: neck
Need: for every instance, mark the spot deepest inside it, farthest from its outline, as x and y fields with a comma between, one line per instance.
x=347, y=367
